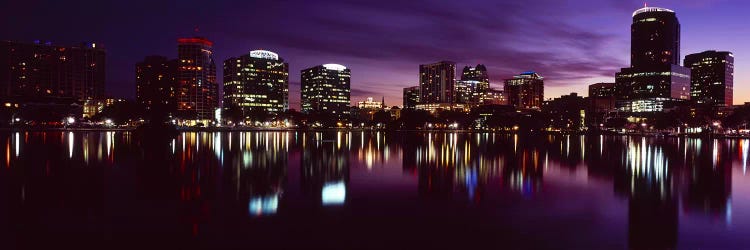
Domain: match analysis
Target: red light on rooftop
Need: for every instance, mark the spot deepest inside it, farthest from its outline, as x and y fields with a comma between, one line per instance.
x=195, y=40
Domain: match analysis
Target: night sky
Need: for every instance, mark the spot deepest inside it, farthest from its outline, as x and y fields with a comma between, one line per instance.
x=571, y=43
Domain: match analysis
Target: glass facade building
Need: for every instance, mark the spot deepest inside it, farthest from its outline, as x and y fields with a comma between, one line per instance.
x=525, y=91
x=654, y=70
x=257, y=81
x=327, y=88
x=477, y=78
x=411, y=97
x=712, y=77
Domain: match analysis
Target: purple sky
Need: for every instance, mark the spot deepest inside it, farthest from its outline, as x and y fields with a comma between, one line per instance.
x=571, y=43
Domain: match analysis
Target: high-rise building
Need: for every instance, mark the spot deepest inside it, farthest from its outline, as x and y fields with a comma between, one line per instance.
x=525, y=91
x=654, y=38
x=477, y=74
x=156, y=83
x=257, y=81
x=198, y=92
x=437, y=82
x=411, y=97
x=41, y=70
x=712, y=77
x=327, y=88
x=467, y=92
x=654, y=71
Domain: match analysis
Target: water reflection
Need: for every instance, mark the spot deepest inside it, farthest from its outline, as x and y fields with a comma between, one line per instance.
x=199, y=179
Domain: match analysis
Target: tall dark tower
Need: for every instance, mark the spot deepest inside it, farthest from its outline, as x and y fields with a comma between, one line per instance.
x=654, y=38
x=655, y=75
x=155, y=83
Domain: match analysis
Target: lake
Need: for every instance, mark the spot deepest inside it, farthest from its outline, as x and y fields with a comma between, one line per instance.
x=354, y=190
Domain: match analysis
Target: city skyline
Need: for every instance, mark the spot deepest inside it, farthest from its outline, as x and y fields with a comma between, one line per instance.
x=498, y=41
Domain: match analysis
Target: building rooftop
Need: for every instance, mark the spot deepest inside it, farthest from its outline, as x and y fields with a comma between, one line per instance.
x=333, y=66
x=651, y=9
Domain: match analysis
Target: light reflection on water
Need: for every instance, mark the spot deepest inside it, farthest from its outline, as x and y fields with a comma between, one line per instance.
x=663, y=184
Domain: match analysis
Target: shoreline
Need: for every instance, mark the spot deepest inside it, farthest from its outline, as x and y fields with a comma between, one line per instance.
x=227, y=129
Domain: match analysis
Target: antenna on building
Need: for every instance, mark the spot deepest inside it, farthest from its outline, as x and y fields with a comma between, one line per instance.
x=382, y=102
x=645, y=5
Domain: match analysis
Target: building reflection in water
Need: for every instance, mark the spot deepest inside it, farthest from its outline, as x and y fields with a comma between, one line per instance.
x=646, y=178
x=205, y=174
x=708, y=185
x=325, y=166
x=258, y=167
x=447, y=164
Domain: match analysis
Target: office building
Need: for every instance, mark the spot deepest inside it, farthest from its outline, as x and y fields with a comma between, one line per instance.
x=326, y=89
x=467, y=92
x=257, y=81
x=525, y=91
x=601, y=101
x=477, y=74
x=475, y=82
x=567, y=112
x=411, y=97
x=41, y=70
x=156, y=83
x=493, y=97
x=198, y=92
x=654, y=71
x=437, y=82
x=711, y=77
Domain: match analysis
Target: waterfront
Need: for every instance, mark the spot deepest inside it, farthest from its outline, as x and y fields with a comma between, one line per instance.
x=367, y=189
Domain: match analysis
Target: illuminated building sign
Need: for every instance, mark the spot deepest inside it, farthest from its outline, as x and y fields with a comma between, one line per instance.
x=264, y=54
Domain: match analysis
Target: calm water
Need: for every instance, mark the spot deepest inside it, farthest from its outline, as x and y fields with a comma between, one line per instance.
x=262, y=190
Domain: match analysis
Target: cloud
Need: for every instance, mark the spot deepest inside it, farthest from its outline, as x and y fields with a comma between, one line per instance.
x=381, y=41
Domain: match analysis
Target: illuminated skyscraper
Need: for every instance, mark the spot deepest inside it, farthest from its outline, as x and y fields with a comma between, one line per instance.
x=39, y=70
x=156, y=84
x=326, y=88
x=654, y=71
x=525, y=91
x=712, y=77
x=437, y=82
x=257, y=81
x=473, y=85
x=198, y=95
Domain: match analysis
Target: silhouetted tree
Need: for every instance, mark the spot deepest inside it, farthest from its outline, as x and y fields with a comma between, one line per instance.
x=121, y=112
x=413, y=119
